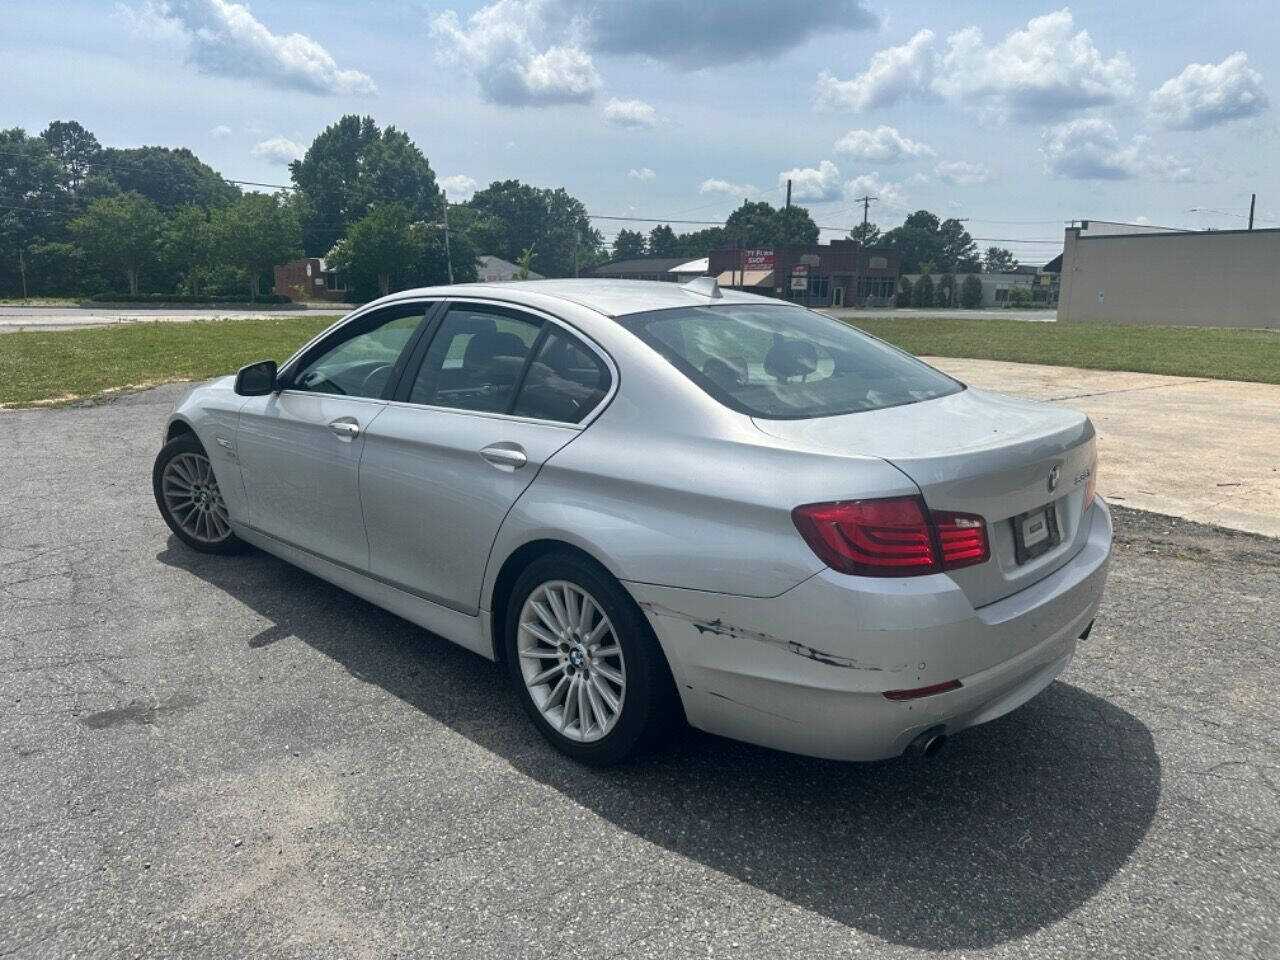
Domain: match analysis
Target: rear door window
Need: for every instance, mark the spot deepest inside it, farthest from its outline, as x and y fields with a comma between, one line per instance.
x=475, y=360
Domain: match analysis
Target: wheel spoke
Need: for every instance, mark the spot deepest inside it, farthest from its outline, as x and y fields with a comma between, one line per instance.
x=535, y=630
x=584, y=616
x=602, y=690
x=609, y=673
x=610, y=651
x=582, y=707
x=599, y=631
x=557, y=609
x=537, y=653
x=545, y=616
x=557, y=693
x=597, y=706
x=570, y=704
x=571, y=607
x=546, y=675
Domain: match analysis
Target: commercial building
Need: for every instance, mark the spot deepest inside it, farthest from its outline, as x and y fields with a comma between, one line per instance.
x=1126, y=273
x=638, y=268
x=842, y=273
x=309, y=279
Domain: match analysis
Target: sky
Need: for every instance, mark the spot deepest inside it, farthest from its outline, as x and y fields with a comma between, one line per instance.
x=1019, y=117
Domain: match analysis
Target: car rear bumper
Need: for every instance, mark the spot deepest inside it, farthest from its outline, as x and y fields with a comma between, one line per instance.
x=807, y=671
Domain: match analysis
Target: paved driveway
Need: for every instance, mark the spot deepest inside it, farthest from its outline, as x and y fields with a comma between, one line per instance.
x=224, y=757
x=1205, y=450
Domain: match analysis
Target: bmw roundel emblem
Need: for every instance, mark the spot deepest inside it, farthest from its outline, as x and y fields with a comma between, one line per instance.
x=1054, y=474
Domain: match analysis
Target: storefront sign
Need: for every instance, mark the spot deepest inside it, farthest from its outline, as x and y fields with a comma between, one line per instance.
x=757, y=259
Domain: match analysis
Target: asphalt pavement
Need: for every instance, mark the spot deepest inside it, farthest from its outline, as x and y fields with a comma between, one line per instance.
x=225, y=757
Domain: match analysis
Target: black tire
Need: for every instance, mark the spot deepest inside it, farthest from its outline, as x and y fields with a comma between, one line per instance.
x=187, y=444
x=651, y=708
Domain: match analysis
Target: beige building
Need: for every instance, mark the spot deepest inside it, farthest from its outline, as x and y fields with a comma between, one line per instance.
x=1122, y=273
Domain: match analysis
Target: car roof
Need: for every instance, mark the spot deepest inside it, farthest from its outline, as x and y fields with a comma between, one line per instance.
x=613, y=298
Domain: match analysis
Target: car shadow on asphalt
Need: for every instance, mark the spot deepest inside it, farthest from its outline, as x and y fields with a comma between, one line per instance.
x=1013, y=826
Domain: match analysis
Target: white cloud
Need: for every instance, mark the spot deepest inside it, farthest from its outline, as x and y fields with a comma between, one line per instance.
x=221, y=131
x=1090, y=149
x=644, y=174
x=888, y=194
x=630, y=113
x=716, y=185
x=278, y=150
x=507, y=47
x=1206, y=94
x=961, y=172
x=459, y=186
x=892, y=75
x=224, y=38
x=1042, y=72
x=817, y=185
x=884, y=144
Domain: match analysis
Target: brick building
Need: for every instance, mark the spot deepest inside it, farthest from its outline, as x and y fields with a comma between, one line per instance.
x=309, y=279
x=821, y=275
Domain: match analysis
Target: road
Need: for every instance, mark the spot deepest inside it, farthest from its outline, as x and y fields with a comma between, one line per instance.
x=213, y=757
x=17, y=318
x=995, y=313
x=1189, y=447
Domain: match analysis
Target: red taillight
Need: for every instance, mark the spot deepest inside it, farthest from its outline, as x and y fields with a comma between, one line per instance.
x=895, y=537
x=963, y=537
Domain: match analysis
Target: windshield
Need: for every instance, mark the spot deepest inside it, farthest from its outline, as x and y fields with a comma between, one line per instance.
x=782, y=362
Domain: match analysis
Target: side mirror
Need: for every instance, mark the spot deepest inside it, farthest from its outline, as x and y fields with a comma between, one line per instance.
x=257, y=379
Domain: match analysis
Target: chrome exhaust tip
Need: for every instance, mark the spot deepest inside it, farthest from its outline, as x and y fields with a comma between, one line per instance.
x=928, y=743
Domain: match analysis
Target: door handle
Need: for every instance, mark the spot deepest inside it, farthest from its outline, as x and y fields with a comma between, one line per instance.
x=346, y=427
x=505, y=456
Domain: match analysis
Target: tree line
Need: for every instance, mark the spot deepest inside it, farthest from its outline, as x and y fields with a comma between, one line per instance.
x=80, y=218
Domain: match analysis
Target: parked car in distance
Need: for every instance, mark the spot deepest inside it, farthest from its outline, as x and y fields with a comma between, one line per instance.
x=656, y=502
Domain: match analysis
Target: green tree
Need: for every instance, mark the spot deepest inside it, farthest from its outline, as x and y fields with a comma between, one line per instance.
x=757, y=225
x=699, y=243
x=999, y=260
x=903, y=298
x=74, y=147
x=552, y=222
x=1020, y=297
x=256, y=233
x=663, y=242
x=944, y=294
x=628, y=245
x=188, y=241
x=524, y=263
x=122, y=234
x=352, y=166
x=169, y=178
x=34, y=203
x=922, y=292
x=922, y=238
x=377, y=250
x=867, y=234
x=971, y=291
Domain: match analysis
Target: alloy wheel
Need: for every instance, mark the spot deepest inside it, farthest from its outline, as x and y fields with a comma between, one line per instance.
x=192, y=497
x=571, y=661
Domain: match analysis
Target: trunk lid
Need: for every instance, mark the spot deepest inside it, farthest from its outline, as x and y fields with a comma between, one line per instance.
x=977, y=452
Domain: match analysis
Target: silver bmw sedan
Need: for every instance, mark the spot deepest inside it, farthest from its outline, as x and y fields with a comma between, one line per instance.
x=659, y=503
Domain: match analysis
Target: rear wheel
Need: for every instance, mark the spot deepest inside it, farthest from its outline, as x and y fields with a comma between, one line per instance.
x=589, y=670
x=190, y=499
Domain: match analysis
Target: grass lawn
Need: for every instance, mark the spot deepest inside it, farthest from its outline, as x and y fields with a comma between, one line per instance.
x=62, y=366
x=1179, y=351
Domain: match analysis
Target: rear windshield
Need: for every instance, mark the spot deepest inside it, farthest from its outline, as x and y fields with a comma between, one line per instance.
x=786, y=363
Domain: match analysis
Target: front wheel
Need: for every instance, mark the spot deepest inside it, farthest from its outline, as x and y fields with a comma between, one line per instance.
x=189, y=498
x=590, y=671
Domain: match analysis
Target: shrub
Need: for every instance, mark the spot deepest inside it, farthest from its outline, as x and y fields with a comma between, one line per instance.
x=971, y=291
x=904, y=293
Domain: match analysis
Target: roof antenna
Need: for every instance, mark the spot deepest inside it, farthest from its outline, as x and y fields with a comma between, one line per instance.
x=704, y=287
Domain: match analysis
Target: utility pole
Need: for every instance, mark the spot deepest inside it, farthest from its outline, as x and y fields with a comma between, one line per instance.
x=866, y=207
x=1253, y=198
x=788, y=194
x=576, y=235
x=448, y=254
